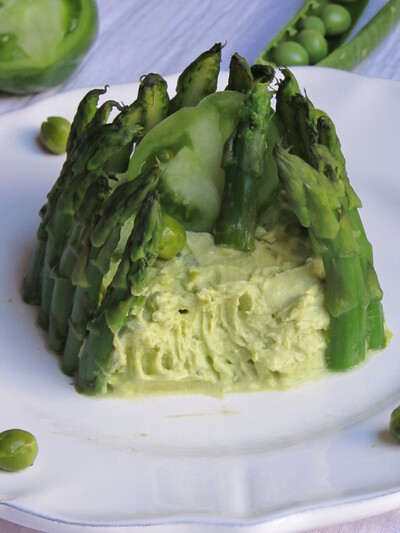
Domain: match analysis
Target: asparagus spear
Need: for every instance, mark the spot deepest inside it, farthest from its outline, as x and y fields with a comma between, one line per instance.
x=97, y=149
x=93, y=264
x=375, y=331
x=97, y=363
x=150, y=108
x=288, y=88
x=262, y=73
x=32, y=283
x=67, y=175
x=319, y=145
x=240, y=75
x=198, y=80
x=154, y=96
x=84, y=114
x=63, y=290
x=243, y=161
x=316, y=201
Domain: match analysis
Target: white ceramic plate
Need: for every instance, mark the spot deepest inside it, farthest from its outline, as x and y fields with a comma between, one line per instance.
x=283, y=461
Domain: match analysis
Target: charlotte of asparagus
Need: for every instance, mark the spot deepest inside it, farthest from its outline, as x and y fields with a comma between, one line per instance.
x=98, y=220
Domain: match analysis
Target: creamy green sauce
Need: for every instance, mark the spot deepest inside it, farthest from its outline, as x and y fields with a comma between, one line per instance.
x=217, y=320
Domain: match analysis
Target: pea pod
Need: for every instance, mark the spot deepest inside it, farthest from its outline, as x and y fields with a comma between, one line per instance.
x=316, y=30
x=362, y=44
x=18, y=449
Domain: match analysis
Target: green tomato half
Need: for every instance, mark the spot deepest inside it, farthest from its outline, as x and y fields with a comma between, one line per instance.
x=189, y=145
x=43, y=41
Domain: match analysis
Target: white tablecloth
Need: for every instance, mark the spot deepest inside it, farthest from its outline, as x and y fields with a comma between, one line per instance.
x=141, y=36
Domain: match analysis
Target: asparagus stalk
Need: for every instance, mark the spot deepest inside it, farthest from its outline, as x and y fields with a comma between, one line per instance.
x=375, y=330
x=315, y=199
x=68, y=174
x=198, y=80
x=96, y=151
x=262, y=73
x=150, y=108
x=288, y=88
x=318, y=143
x=243, y=161
x=240, y=75
x=63, y=290
x=95, y=258
x=99, y=147
x=154, y=96
x=84, y=114
x=32, y=283
x=97, y=363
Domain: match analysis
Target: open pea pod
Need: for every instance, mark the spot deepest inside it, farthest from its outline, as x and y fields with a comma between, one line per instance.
x=317, y=29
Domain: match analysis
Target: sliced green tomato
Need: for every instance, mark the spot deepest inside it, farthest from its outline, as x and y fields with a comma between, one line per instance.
x=42, y=41
x=227, y=104
x=189, y=146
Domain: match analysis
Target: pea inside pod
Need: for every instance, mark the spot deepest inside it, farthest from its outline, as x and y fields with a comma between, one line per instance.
x=18, y=449
x=314, y=43
x=330, y=23
x=336, y=19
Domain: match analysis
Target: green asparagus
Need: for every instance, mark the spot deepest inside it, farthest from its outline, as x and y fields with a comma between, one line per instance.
x=243, y=161
x=96, y=362
x=316, y=201
x=94, y=261
x=375, y=331
x=216, y=165
x=32, y=284
x=240, y=75
x=99, y=147
x=198, y=79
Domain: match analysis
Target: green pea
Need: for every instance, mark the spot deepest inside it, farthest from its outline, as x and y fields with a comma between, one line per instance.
x=54, y=134
x=18, y=449
x=394, y=425
x=312, y=23
x=291, y=53
x=315, y=45
x=173, y=238
x=336, y=19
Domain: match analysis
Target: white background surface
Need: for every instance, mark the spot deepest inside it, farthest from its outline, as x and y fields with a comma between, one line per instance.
x=137, y=37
